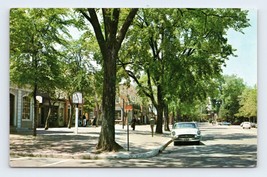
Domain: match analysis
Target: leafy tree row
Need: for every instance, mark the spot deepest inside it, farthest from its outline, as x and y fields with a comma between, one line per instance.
x=179, y=53
x=232, y=100
x=175, y=56
x=237, y=101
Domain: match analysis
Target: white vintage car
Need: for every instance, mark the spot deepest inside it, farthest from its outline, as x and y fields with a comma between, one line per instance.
x=246, y=125
x=186, y=132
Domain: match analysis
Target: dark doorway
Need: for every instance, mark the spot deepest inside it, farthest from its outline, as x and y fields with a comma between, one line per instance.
x=11, y=109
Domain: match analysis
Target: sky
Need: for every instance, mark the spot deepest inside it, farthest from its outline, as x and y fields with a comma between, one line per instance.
x=245, y=65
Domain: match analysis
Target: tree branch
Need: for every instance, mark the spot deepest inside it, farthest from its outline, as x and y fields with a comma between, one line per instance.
x=150, y=87
x=85, y=15
x=97, y=28
x=104, y=14
x=125, y=26
x=115, y=21
x=111, y=20
x=132, y=75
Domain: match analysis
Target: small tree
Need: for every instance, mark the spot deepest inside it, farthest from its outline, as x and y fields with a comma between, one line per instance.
x=232, y=88
x=248, y=103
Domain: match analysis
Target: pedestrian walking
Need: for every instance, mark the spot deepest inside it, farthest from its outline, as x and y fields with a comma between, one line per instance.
x=152, y=123
x=84, y=121
x=133, y=123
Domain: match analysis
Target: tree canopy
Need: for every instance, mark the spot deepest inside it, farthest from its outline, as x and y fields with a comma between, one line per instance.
x=248, y=103
x=180, y=52
x=232, y=88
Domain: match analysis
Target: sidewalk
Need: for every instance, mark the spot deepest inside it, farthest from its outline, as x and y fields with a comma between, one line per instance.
x=63, y=143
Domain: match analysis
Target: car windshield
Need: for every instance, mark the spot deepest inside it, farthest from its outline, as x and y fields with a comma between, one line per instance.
x=185, y=125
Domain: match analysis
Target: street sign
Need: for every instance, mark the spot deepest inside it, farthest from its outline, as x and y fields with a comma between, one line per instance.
x=77, y=98
x=39, y=99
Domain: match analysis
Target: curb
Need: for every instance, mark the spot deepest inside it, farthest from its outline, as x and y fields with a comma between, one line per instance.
x=149, y=154
x=119, y=155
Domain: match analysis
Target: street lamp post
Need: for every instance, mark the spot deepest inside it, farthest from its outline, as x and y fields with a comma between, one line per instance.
x=76, y=118
x=125, y=117
x=76, y=99
x=122, y=113
x=128, y=144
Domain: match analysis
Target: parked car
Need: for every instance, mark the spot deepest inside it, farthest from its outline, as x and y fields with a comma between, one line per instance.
x=186, y=132
x=246, y=125
x=253, y=125
x=224, y=123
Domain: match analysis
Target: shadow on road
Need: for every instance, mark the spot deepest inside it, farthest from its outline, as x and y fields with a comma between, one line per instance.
x=228, y=137
x=188, y=144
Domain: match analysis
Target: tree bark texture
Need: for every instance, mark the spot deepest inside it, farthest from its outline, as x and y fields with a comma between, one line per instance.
x=159, y=107
x=166, y=116
x=107, y=135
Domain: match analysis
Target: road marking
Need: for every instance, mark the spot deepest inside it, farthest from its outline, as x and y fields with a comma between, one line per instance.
x=55, y=163
x=18, y=158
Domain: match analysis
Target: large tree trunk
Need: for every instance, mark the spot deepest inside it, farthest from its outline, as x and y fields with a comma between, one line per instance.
x=159, y=107
x=109, y=38
x=107, y=136
x=166, y=116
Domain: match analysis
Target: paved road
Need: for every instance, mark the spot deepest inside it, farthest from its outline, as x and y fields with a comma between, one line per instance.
x=222, y=146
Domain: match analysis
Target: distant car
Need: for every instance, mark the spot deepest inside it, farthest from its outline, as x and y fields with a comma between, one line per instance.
x=246, y=125
x=186, y=132
x=253, y=125
x=226, y=123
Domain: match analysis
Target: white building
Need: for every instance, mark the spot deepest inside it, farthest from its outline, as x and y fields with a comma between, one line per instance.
x=21, y=108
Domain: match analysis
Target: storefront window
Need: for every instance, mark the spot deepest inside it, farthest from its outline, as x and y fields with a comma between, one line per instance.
x=26, y=108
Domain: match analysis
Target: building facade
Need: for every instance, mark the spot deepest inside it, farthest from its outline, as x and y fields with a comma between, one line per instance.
x=21, y=111
x=129, y=105
x=21, y=108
